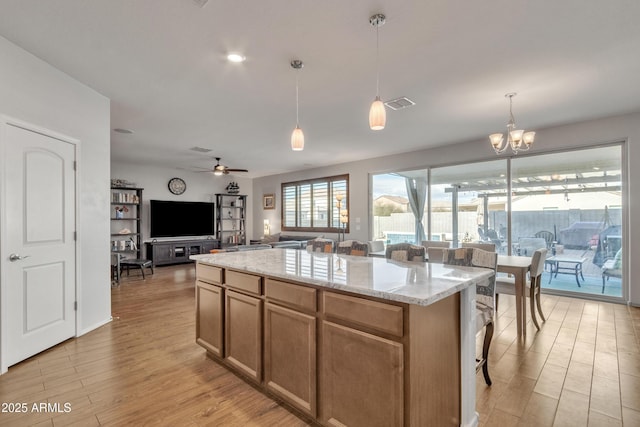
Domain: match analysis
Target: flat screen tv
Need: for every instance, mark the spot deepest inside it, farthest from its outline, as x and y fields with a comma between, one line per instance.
x=175, y=219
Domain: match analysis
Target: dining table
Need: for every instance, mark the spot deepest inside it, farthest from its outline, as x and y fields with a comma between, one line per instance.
x=518, y=266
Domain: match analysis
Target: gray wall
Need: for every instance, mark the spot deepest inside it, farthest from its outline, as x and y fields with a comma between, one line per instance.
x=583, y=134
x=201, y=187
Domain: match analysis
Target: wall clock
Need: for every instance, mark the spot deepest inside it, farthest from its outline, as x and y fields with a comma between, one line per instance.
x=177, y=185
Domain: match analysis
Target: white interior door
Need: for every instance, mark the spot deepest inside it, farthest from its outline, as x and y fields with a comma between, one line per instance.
x=38, y=242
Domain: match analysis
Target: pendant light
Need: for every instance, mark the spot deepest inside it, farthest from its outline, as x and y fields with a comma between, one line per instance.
x=297, y=137
x=377, y=113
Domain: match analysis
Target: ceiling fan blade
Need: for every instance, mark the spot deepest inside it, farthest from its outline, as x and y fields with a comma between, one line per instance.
x=236, y=170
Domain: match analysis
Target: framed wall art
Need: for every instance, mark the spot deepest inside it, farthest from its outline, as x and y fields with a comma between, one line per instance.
x=269, y=201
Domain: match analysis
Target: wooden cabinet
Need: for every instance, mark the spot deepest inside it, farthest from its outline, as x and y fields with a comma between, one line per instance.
x=362, y=378
x=126, y=213
x=231, y=212
x=209, y=317
x=178, y=251
x=362, y=371
x=340, y=359
x=243, y=333
x=290, y=356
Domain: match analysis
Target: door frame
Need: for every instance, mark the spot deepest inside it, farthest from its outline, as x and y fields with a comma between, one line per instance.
x=5, y=122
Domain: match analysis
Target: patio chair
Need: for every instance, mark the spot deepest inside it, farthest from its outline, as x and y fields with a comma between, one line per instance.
x=485, y=295
x=547, y=236
x=506, y=285
x=612, y=268
x=405, y=252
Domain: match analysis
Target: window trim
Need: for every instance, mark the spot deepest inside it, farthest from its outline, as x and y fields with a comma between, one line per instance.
x=331, y=202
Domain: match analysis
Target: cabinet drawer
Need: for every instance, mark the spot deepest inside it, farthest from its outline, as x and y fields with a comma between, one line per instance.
x=208, y=273
x=244, y=282
x=295, y=295
x=382, y=317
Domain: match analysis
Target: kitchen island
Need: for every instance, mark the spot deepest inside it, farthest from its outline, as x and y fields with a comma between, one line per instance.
x=344, y=340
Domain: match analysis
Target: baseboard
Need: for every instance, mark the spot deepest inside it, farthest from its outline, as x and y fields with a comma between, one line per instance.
x=93, y=327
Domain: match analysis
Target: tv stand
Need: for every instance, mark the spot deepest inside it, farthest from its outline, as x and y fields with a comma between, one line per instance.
x=178, y=251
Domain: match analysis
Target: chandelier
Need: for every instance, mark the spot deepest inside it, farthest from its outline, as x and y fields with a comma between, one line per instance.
x=517, y=139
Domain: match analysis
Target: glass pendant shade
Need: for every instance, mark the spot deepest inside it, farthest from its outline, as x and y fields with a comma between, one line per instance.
x=377, y=115
x=528, y=138
x=297, y=139
x=496, y=140
x=516, y=138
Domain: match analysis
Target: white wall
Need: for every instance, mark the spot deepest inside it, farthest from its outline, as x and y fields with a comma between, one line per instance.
x=201, y=187
x=33, y=91
x=589, y=133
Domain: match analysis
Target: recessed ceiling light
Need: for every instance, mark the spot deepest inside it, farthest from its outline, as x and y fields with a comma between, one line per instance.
x=121, y=130
x=236, y=57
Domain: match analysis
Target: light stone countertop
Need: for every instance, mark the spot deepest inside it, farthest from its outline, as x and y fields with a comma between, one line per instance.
x=408, y=282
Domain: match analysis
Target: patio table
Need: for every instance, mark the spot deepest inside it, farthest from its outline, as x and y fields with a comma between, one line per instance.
x=574, y=266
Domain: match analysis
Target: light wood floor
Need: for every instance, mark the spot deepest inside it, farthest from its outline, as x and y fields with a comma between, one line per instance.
x=144, y=368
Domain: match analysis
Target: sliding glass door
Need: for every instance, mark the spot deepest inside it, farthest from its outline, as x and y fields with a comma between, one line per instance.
x=571, y=203
x=468, y=203
x=568, y=202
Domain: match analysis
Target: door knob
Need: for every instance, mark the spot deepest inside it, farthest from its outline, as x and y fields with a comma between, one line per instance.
x=16, y=257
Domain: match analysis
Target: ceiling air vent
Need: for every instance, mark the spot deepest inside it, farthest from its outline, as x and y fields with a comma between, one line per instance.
x=200, y=149
x=399, y=103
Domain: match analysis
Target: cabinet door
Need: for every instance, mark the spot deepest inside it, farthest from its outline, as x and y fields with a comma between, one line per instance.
x=162, y=254
x=290, y=356
x=209, y=317
x=362, y=378
x=243, y=333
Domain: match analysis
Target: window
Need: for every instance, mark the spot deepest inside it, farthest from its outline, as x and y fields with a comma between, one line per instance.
x=394, y=219
x=311, y=205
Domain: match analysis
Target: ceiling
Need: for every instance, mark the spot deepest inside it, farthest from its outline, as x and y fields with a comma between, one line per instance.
x=163, y=65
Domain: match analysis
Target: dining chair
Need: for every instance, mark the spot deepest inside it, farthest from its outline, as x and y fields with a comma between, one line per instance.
x=405, y=252
x=436, y=244
x=320, y=245
x=353, y=247
x=490, y=247
x=485, y=295
x=435, y=255
x=506, y=285
x=375, y=246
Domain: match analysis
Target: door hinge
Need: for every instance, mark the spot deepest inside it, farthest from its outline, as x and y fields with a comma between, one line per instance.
x=75, y=305
x=75, y=235
x=75, y=165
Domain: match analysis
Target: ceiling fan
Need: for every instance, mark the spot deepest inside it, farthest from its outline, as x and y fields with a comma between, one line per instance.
x=219, y=169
